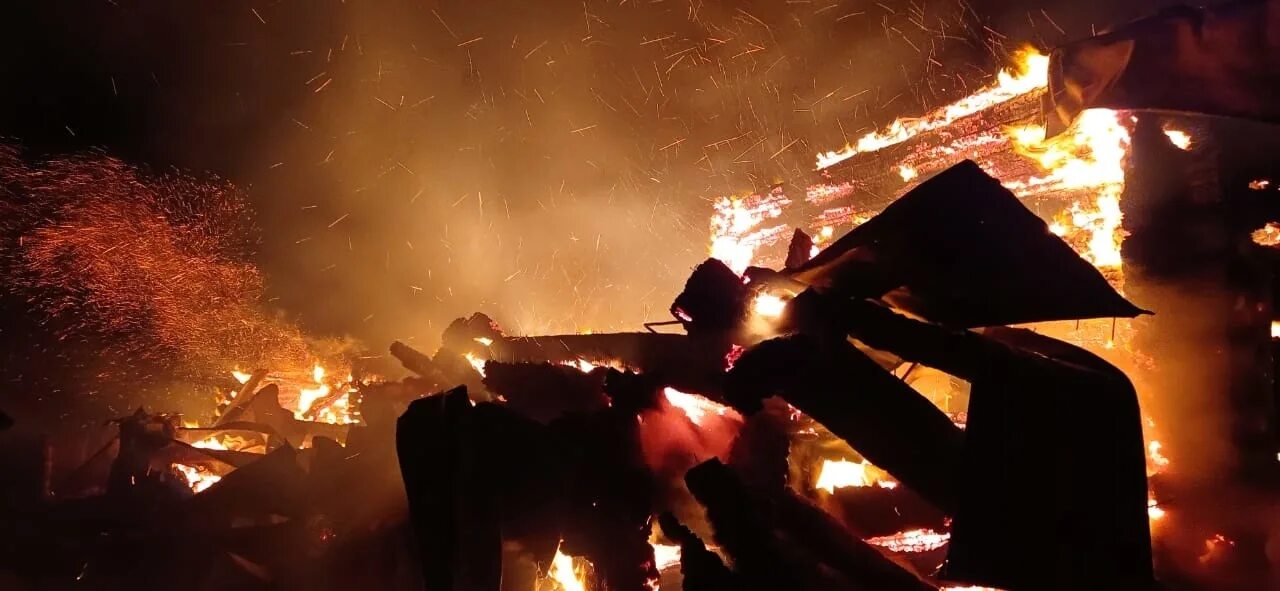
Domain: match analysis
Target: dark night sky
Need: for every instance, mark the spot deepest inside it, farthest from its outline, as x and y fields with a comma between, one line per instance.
x=548, y=162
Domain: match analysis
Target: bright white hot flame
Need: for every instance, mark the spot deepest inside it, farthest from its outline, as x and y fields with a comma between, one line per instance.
x=769, y=305
x=664, y=556
x=1180, y=139
x=842, y=474
x=695, y=407
x=566, y=574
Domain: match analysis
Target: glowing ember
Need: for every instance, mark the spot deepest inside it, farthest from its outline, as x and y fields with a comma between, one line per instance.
x=912, y=541
x=1275, y=329
x=582, y=365
x=664, y=556
x=1259, y=184
x=843, y=473
x=694, y=406
x=476, y=363
x=769, y=305
x=1268, y=235
x=1179, y=138
x=198, y=478
x=565, y=573
x=1030, y=73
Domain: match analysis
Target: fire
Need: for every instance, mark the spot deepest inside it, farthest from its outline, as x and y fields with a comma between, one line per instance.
x=1154, y=512
x=769, y=305
x=566, y=574
x=1090, y=155
x=476, y=362
x=1158, y=460
x=843, y=473
x=907, y=173
x=694, y=406
x=240, y=376
x=1275, y=329
x=911, y=541
x=486, y=341
x=664, y=556
x=582, y=365
x=198, y=478
x=734, y=226
x=1031, y=72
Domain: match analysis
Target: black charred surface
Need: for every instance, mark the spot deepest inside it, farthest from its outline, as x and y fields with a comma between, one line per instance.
x=799, y=249
x=837, y=546
x=544, y=391
x=609, y=498
x=962, y=250
x=892, y=425
x=743, y=529
x=702, y=569
x=456, y=528
x=714, y=300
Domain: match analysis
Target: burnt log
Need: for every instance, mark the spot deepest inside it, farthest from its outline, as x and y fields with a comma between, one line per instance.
x=890, y=424
x=742, y=528
x=243, y=398
x=608, y=496
x=1041, y=413
x=962, y=250
x=455, y=526
x=544, y=391
x=837, y=546
x=701, y=568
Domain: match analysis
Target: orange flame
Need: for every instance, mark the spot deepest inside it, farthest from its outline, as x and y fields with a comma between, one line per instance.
x=1031, y=72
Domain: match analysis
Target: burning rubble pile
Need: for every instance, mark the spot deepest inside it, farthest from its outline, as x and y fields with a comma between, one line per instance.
x=777, y=442
x=887, y=400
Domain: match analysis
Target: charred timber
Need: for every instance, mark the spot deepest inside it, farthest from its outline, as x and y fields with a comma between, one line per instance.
x=890, y=424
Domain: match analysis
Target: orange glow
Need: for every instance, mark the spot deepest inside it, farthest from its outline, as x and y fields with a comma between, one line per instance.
x=1275, y=329
x=240, y=376
x=1031, y=72
x=911, y=541
x=198, y=478
x=907, y=173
